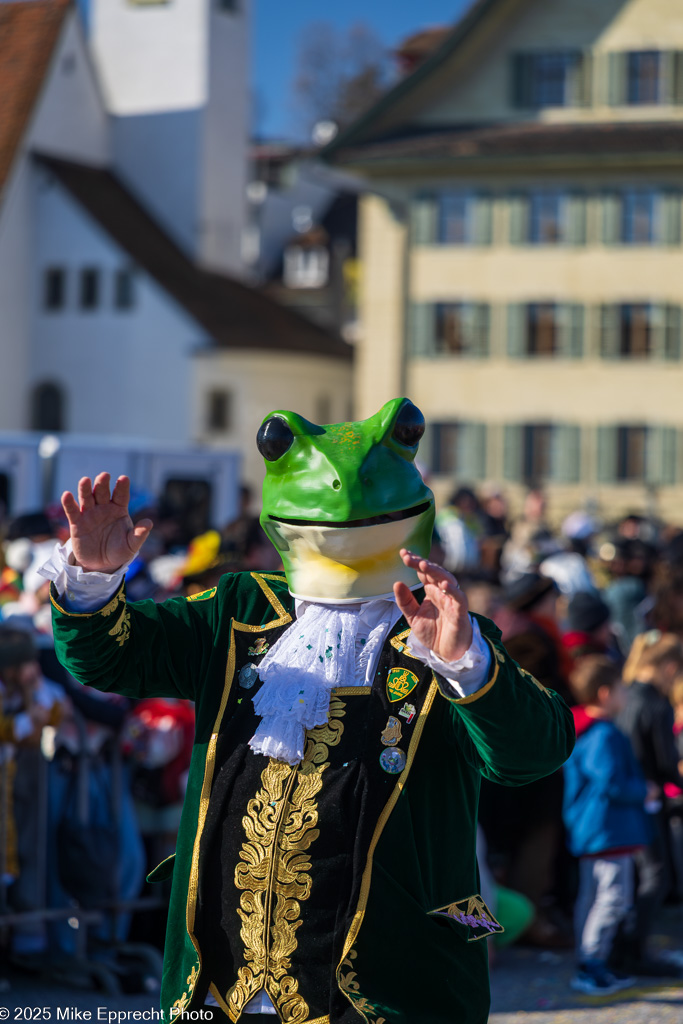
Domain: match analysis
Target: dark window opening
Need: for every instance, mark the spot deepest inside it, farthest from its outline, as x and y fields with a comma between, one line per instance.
x=536, y=452
x=188, y=503
x=635, y=335
x=545, y=218
x=54, y=288
x=218, y=410
x=124, y=289
x=638, y=216
x=455, y=216
x=542, y=329
x=631, y=453
x=47, y=412
x=644, y=77
x=89, y=288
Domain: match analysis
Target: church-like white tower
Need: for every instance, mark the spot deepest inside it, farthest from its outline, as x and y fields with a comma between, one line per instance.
x=175, y=80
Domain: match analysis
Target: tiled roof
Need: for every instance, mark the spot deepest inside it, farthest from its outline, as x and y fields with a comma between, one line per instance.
x=233, y=314
x=28, y=34
x=531, y=140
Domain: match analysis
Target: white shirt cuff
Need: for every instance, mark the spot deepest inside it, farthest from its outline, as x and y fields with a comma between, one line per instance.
x=80, y=591
x=466, y=675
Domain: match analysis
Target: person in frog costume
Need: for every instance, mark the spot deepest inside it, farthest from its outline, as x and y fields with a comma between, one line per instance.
x=346, y=710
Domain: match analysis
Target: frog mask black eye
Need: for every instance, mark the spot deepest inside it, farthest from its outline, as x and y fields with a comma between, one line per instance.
x=274, y=438
x=409, y=426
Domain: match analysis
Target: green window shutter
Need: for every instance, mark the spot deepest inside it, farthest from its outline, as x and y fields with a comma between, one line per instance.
x=616, y=79
x=423, y=220
x=477, y=327
x=584, y=80
x=672, y=341
x=571, y=330
x=670, y=456
x=482, y=221
x=678, y=77
x=610, y=322
x=669, y=217
x=668, y=76
x=575, y=219
x=472, y=451
x=653, y=456
x=661, y=456
x=421, y=329
x=513, y=440
x=521, y=84
x=658, y=330
x=517, y=330
x=518, y=212
x=565, y=454
x=611, y=218
x=607, y=455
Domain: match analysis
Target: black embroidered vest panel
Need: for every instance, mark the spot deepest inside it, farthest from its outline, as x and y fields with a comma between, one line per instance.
x=284, y=849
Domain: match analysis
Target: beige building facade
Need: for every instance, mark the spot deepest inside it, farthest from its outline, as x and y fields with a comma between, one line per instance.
x=522, y=251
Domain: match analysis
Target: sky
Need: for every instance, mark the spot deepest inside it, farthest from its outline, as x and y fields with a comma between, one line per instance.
x=276, y=30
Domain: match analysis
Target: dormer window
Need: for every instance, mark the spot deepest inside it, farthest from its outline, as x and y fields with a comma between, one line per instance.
x=551, y=79
x=306, y=267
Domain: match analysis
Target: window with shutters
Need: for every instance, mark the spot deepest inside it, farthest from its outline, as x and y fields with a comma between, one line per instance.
x=642, y=216
x=458, y=217
x=551, y=79
x=461, y=329
x=644, y=77
x=459, y=449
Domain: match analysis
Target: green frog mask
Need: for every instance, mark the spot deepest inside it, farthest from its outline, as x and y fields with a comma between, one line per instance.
x=341, y=500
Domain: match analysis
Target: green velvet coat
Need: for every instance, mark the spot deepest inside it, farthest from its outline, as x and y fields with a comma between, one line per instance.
x=402, y=947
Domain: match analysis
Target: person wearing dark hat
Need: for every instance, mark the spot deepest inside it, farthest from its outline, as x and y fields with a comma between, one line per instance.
x=589, y=628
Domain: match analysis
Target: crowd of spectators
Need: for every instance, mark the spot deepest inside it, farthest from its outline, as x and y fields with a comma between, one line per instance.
x=592, y=608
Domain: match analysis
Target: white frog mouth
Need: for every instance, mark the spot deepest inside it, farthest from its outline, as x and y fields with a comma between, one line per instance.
x=382, y=519
x=325, y=562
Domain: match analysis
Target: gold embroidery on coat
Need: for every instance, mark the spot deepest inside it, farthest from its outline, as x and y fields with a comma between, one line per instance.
x=351, y=989
x=110, y=608
x=122, y=628
x=180, y=1005
x=274, y=872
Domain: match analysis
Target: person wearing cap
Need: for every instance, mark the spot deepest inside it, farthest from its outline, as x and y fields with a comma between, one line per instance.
x=589, y=629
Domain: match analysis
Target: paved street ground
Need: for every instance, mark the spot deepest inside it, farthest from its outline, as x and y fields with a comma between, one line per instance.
x=529, y=986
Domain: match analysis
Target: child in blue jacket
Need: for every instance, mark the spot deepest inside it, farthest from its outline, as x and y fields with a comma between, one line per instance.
x=605, y=818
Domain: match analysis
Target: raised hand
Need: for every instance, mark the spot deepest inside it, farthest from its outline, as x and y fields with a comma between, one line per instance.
x=441, y=622
x=103, y=536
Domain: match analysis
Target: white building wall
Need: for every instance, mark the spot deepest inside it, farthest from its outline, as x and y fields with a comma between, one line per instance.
x=225, y=137
x=70, y=120
x=152, y=57
x=122, y=372
x=15, y=275
x=175, y=79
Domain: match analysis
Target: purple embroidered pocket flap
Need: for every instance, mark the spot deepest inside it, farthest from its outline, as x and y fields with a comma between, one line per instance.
x=472, y=913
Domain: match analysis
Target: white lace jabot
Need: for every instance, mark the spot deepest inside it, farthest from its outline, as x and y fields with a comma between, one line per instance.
x=326, y=646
